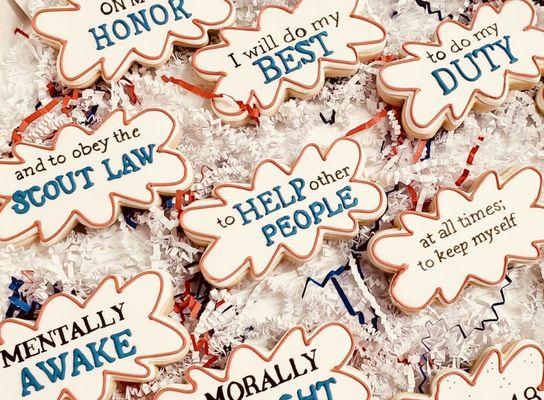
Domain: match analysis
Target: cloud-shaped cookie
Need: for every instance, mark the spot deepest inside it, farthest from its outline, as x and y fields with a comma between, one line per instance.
x=289, y=53
x=514, y=373
x=284, y=211
x=103, y=38
x=79, y=349
x=299, y=363
x=470, y=237
x=85, y=176
x=441, y=81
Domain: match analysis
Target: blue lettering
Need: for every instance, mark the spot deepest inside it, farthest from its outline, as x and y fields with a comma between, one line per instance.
x=506, y=49
x=85, y=172
x=319, y=37
x=144, y=157
x=154, y=16
x=140, y=21
x=284, y=224
x=179, y=10
x=72, y=181
x=52, y=370
x=29, y=380
x=301, y=48
x=286, y=59
x=447, y=79
x=104, y=36
x=443, y=85
x=266, y=199
x=470, y=57
x=252, y=209
x=345, y=197
x=317, y=208
x=269, y=231
x=484, y=49
x=327, y=385
x=21, y=206
x=298, y=214
x=100, y=353
x=312, y=396
x=128, y=165
x=266, y=69
x=284, y=204
x=111, y=175
x=80, y=361
x=298, y=184
x=30, y=193
x=54, y=185
x=120, y=345
x=125, y=26
x=292, y=58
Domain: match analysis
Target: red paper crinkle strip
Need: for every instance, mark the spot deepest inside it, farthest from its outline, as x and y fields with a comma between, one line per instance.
x=470, y=161
x=66, y=100
x=17, y=134
x=21, y=32
x=183, y=199
x=131, y=93
x=252, y=111
x=368, y=124
x=414, y=197
x=419, y=150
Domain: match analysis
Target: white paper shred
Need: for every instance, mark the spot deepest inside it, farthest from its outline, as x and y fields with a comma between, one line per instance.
x=406, y=350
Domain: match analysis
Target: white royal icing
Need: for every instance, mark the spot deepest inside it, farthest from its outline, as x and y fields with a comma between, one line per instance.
x=513, y=374
x=469, y=238
x=104, y=37
x=299, y=367
x=440, y=81
x=79, y=349
x=283, y=211
x=85, y=176
x=288, y=53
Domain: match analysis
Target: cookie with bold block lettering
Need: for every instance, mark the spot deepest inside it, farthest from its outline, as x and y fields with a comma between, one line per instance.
x=283, y=212
x=86, y=176
x=288, y=53
x=467, y=237
x=79, y=349
x=301, y=366
x=466, y=67
x=513, y=373
x=103, y=38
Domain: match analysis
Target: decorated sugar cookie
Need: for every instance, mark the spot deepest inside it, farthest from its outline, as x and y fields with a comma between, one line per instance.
x=515, y=373
x=301, y=366
x=466, y=67
x=467, y=238
x=105, y=37
x=79, y=349
x=289, y=53
x=283, y=212
x=539, y=100
x=85, y=176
